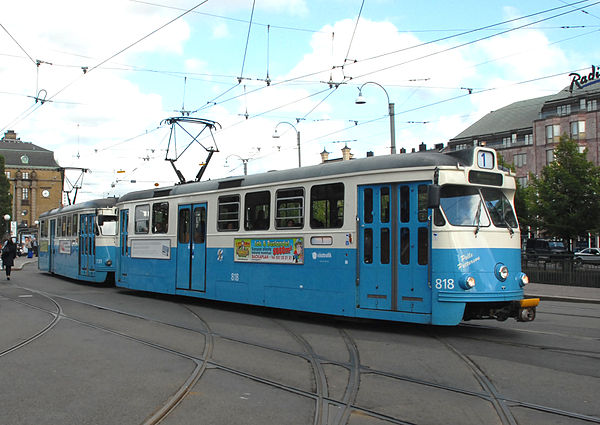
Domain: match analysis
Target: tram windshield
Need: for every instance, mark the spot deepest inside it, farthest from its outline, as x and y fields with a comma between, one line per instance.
x=471, y=206
x=107, y=225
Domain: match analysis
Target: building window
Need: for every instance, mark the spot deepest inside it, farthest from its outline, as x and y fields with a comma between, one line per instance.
x=578, y=130
x=520, y=160
x=25, y=194
x=592, y=105
x=7, y=174
x=549, y=156
x=552, y=133
x=582, y=104
x=523, y=181
x=506, y=142
x=528, y=139
x=563, y=110
x=25, y=175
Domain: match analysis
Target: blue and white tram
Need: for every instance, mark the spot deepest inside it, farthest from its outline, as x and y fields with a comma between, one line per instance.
x=424, y=237
x=80, y=241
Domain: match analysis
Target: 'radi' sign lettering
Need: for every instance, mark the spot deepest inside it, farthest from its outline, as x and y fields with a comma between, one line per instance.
x=581, y=81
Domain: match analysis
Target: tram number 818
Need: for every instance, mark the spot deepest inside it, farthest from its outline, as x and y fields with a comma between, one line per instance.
x=444, y=284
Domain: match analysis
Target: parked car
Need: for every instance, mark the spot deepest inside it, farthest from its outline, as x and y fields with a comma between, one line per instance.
x=544, y=249
x=588, y=256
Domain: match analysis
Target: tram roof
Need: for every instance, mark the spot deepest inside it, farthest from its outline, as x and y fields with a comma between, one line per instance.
x=93, y=204
x=407, y=160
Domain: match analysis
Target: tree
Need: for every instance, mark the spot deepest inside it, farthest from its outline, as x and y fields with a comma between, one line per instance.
x=5, y=199
x=565, y=198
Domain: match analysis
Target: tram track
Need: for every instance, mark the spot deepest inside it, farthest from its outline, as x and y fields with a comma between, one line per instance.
x=189, y=384
x=56, y=316
x=504, y=413
x=346, y=405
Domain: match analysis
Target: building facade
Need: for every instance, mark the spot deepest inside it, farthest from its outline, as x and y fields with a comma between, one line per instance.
x=527, y=132
x=36, y=179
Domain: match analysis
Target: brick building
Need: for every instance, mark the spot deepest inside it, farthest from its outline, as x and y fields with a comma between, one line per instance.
x=526, y=132
x=36, y=179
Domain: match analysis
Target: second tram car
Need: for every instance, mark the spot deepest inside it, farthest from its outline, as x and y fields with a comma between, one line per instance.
x=425, y=237
x=80, y=241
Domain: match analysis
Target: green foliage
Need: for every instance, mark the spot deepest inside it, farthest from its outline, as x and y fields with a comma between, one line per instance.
x=565, y=199
x=5, y=199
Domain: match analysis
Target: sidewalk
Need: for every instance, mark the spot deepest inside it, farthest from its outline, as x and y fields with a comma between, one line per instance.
x=578, y=294
x=533, y=290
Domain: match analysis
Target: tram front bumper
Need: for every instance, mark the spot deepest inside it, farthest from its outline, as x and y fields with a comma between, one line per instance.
x=521, y=310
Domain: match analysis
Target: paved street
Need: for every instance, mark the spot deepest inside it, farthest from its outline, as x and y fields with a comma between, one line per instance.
x=73, y=353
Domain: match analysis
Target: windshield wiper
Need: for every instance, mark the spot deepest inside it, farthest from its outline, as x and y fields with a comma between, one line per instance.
x=478, y=216
x=508, y=226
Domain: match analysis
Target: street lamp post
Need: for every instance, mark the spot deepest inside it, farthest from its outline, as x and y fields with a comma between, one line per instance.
x=7, y=223
x=244, y=161
x=360, y=100
x=276, y=136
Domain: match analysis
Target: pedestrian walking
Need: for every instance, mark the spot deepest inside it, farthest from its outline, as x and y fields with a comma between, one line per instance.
x=9, y=252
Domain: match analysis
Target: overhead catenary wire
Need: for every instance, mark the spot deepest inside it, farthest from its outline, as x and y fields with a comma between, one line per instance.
x=423, y=44
x=247, y=41
x=26, y=114
x=18, y=44
x=465, y=43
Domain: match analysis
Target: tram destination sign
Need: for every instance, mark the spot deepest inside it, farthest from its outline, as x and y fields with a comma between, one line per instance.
x=280, y=250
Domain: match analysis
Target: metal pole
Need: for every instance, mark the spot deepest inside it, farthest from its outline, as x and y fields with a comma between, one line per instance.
x=298, y=137
x=392, y=128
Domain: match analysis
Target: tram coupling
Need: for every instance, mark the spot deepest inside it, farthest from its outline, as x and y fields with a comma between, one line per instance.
x=521, y=310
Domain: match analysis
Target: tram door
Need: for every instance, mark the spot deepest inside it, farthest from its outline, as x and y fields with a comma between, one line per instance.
x=51, y=248
x=394, y=247
x=87, y=245
x=124, y=249
x=191, y=247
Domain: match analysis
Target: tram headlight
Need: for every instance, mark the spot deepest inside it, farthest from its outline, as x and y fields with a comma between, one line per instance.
x=109, y=262
x=501, y=272
x=467, y=282
x=523, y=279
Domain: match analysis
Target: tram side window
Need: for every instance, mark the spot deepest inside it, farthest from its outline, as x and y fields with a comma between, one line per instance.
x=74, y=227
x=68, y=225
x=44, y=229
x=229, y=213
x=199, y=224
x=290, y=208
x=327, y=206
x=368, y=205
x=257, y=206
x=422, y=203
x=183, y=234
x=160, y=217
x=107, y=225
x=142, y=218
x=423, y=249
x=385, y=204
x=64, y=226
x=404, y=204
x=404, y=246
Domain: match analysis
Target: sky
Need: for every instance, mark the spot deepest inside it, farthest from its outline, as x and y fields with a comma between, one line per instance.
x=97, y=81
